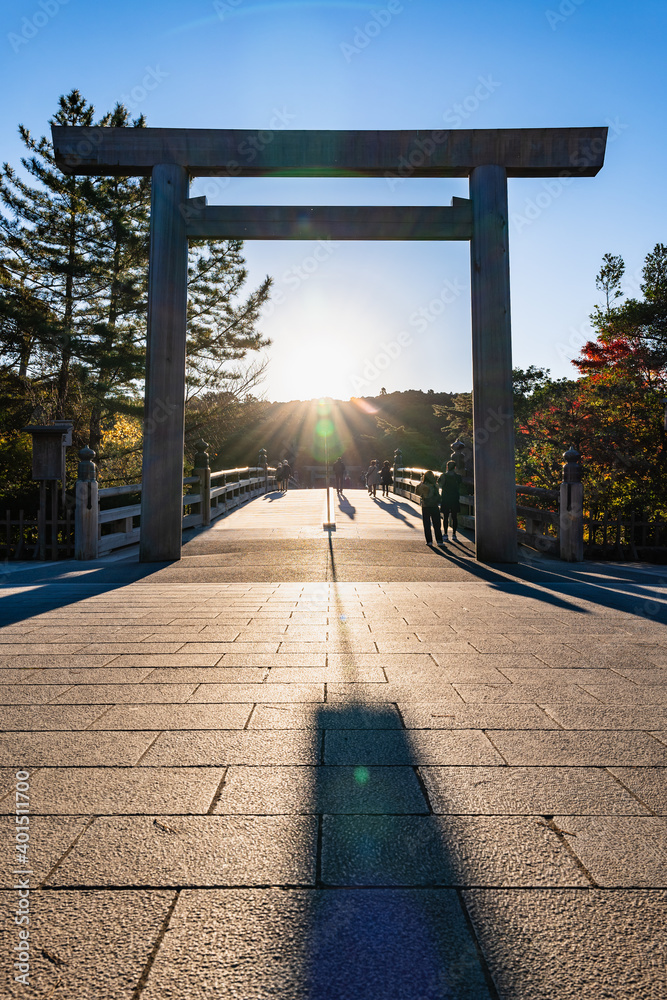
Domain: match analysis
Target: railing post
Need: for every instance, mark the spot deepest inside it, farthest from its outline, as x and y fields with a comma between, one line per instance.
x=457, y=456
x=86, y=530
x=572, y=509
x=398, y=463
x=202, y=469
x=263, y=463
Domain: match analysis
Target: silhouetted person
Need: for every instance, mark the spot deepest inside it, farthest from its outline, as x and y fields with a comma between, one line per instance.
x=450, y=485
x=386, y=478
x=372, y=478
x=429, y=493
x=287, y=472
x=339, y=473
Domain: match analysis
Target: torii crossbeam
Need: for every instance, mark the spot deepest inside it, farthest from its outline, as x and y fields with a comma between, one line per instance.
x=487, y=156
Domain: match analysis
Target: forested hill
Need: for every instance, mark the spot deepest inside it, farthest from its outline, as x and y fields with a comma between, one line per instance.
x=358, y=429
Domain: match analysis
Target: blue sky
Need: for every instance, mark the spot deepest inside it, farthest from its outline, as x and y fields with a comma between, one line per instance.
x=392, y=64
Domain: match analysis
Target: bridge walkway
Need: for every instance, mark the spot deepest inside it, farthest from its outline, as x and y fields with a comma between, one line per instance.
x=280, y=768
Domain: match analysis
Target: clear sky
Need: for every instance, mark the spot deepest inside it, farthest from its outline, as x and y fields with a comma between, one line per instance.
x=393, y=64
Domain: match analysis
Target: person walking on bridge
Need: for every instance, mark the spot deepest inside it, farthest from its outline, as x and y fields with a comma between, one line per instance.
x=386, y=478
x=373, y=478
x=287, y=472
x=429, y=493
x=339, y=473
x=450, y=484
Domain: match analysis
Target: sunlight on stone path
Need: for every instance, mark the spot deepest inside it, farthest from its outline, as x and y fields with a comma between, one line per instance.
x=314, y=790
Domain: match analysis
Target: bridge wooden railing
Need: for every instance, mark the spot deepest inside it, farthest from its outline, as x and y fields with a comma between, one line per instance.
x=103, y=525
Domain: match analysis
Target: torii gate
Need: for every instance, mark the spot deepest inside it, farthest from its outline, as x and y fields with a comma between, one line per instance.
x=487, y=156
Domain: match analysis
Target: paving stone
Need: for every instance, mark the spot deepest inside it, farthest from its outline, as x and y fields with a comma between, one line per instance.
x=323, y=675
x=94, y=694
x=397, y=944
x=350, y=790
x=34, y=648
x=282, y=659
x=527, y=791
x=649, y=694
x=438, y=691
x=57, y=749
x=131, y=717
x=208, y=675
x=648, y=784
x=192, y=851
x=76, y=675
x=57, y=791
x=535, y=693
x=8, y=788
x=223, y=747
x=561, y=676
x=165, y=660
x=312, y=716
x=445, y=715
x=414, y=747
x=30, y=718
x=250, y=648
x=28, y=694
x=101, y=942
x=446, y=674
x=258, y=693
x=607, y=716
x=650, y=675
x=29, y=661
x=586, y=748
x=439, y=850
x=414, y=662
x=133, y=647
x=571, y=944
x=50, y=838
x=619, y=851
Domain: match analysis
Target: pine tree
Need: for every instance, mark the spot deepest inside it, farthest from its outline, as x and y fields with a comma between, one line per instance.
x=73, y=288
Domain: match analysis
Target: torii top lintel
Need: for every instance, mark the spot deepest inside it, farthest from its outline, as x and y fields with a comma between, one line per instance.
x=524, y=152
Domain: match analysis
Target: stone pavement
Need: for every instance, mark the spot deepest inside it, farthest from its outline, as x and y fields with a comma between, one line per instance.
x=449, y=786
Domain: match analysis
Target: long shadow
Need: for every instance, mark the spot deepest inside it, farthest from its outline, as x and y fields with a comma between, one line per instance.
x=547, y=581
x=396, y=508
x=346, y=507
x=387, y=919
x=275, y=495
x=41, y=589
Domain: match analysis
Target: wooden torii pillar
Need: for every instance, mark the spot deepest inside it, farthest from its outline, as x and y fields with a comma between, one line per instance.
x=486, y=156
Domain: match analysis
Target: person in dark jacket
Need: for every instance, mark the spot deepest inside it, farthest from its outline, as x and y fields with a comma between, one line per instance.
x=429, y=493
x=386, y=478
x=339, y=473
x=450, y=486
